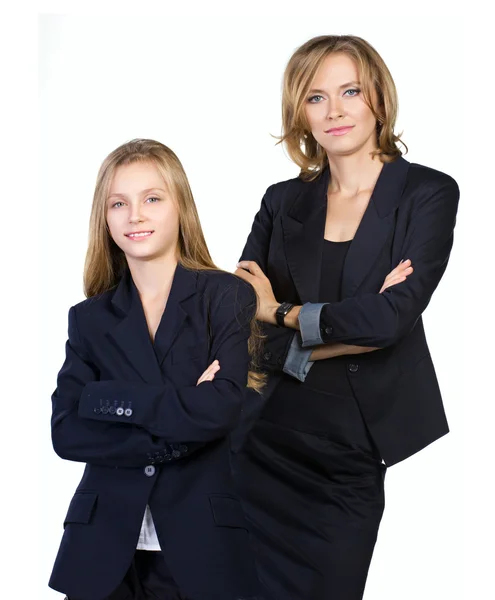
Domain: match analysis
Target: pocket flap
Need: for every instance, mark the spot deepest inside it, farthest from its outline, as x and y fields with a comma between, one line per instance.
x=81, y=507
x=227, y=511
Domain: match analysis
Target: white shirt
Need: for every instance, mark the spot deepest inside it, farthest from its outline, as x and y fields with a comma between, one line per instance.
x=148, y=539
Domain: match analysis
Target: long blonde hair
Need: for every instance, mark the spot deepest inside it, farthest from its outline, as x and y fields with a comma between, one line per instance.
x=105, y=262
x=301, y=69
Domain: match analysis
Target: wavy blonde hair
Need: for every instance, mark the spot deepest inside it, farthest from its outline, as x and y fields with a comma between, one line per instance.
x=374, y=75
x=106, y=263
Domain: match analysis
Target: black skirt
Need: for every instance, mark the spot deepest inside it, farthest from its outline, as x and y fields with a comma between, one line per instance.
x=311, y=481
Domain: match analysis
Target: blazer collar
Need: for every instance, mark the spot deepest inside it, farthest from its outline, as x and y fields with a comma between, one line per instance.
x=131, y=334
x=385, y=197
x=304, y=229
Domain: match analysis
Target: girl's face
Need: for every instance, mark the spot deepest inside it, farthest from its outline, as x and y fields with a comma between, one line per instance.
x=142, y=216
x=339, y=118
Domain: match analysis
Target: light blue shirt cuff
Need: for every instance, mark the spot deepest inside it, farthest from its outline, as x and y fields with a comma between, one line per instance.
x=309, y=324
x=297, y=362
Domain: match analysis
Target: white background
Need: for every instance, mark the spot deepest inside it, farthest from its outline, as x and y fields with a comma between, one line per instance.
x=207, y=84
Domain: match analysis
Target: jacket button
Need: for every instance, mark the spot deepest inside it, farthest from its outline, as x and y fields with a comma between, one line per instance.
x=97, y=411
x=120, y=411
x=176, y=453
x=112, y=410
x=104, y=410
x=267, y=355
x=327, y=330
x=128, y=412
x=353, y=368
x=183, y=448
x=149, y=471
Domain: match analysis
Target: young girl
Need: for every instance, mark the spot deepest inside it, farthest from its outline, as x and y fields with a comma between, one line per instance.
x=153, y=382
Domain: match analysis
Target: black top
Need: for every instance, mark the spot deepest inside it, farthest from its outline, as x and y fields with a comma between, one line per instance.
x=330, y=375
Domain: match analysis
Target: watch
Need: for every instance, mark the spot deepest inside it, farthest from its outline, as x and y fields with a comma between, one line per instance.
x=281, y=311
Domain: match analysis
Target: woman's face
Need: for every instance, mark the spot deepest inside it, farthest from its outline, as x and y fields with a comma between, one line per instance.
x=142, y=216
x=339, y=118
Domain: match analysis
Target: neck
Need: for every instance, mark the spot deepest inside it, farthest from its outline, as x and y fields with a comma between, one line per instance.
x=353, y=174
x=153, y=278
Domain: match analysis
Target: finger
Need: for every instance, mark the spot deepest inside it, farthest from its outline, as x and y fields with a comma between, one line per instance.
x=207, y=371
x=208, y=376
x=392, y=283
x=399, y=272
x=243, y=274
x=251, y=266
x=214, y=365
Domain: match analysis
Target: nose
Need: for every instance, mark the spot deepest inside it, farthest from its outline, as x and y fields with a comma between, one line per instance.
x=335, y=108
x=135, y=215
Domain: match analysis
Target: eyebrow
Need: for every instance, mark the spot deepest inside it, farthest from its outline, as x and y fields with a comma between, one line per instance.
x=341, y=87
x=143, y=192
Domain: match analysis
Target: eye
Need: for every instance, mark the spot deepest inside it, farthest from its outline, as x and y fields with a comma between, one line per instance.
x=355, y=92
x=313, y=100
x=152, y=199
x=117, y=204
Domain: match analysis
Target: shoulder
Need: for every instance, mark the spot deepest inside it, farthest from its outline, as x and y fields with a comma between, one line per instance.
x=278, y=194
x=427, y=179
x=222, y=283
x=224, y=289
x=90, y=310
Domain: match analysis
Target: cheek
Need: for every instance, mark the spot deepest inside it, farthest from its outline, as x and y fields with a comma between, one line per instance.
x=314, y=115
x=169, y=220
x=363, y=113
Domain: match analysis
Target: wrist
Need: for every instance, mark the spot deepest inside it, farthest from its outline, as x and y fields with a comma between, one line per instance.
x=271, y=313
x=291, y=319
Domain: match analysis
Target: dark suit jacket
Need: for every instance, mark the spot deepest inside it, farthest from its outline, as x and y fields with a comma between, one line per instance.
x=132, y=411
x=411, y=214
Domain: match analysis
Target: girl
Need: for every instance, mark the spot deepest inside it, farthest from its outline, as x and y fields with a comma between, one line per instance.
x=353, y=387
x=141, y=398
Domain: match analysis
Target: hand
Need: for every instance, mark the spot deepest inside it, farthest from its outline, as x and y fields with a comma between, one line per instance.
x=267, y=305
x=209, y=374
x=400, y=273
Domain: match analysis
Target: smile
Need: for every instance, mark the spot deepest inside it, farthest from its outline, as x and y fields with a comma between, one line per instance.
x=339, y=130
x=138, y=235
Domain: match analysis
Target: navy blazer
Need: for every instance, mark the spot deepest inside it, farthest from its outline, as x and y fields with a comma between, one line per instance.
x=132, y=411
x=411, y=214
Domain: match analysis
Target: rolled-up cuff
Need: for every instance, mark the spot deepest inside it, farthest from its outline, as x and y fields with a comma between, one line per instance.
x=297, y=362
x=309, y=324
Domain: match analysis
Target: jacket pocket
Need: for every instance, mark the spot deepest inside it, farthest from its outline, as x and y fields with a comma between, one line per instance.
x=81, y=508
x=227, y=511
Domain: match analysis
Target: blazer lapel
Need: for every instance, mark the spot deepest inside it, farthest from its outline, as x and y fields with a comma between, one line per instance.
x=304, y=228
x=131, y=335
x=183, y=287
x=376, y=225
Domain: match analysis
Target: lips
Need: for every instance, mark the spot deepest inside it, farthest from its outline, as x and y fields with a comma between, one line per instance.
x=138, y=235
x=339, y=130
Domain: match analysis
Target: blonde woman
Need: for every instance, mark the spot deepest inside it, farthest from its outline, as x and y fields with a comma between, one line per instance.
x=345, y=259
x=153, y=382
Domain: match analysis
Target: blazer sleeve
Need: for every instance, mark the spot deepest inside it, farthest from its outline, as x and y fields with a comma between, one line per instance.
x=199, y=413
x=382, y=320
x=81, y=439
x=278, y=340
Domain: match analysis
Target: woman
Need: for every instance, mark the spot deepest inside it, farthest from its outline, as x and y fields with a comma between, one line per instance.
x=155, y=514
x=352, y=388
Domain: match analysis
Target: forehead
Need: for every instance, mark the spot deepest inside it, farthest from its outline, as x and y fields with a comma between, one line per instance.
x=335, y=70
x=136, y=177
